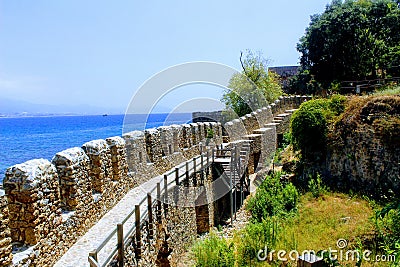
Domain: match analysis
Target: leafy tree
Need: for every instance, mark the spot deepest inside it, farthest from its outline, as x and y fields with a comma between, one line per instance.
x=254, y=87
x=352, y=40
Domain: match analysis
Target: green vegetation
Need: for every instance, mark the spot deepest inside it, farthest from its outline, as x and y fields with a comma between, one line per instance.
x=272, y=198
x=388, y=228
x=322, y=221
x=317, y=224
x=316, y=187
x=272, y=202
x=253, y=88
x=388, y=91
x=210, y=133
x=214, y=251
x=309, y=125
x=351, y=40
x=253, y=237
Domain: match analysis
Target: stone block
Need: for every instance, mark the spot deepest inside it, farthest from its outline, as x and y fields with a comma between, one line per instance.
x=100, y=166
x=32, y=186
x=75, y=185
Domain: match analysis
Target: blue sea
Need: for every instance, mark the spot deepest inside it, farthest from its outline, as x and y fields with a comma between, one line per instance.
x=26, y=138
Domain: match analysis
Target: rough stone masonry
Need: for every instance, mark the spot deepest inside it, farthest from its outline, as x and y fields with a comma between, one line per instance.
x=47, y=205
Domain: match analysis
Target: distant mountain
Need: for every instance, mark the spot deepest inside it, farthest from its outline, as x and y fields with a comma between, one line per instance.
x=13, y=107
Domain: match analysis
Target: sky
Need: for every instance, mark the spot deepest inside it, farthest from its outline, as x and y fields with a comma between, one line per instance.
x=98, y=53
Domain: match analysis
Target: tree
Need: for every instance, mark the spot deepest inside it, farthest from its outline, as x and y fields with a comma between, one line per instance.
x=254, y=87
x=352, y=40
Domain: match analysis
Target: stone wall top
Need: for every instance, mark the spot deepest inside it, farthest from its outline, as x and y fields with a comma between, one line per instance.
x=27, y=175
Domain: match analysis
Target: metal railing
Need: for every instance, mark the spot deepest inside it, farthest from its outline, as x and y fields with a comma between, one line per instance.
x=146, y=216
x=147, y=212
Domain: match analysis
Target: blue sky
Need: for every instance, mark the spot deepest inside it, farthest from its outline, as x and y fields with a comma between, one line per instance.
x=99, y=52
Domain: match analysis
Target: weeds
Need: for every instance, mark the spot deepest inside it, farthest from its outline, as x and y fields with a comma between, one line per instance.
x=272, y=198
x=316, y=187
x=213, y=251
x=254, y=237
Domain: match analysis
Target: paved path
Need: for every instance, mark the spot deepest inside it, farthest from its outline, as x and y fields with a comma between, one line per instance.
x=77, y=255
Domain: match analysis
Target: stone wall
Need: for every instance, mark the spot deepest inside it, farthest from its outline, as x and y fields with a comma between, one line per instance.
x=51, y=204
x=33, y=200
x=213, y=116
x=175, y=225
x=363, y=151
x=264, y=127
x=5, y=234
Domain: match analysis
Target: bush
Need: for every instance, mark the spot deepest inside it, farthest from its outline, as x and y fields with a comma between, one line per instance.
x=309, y=125
x=388, y=227
x=272, y=198
x=337, y=104
x=316, y=187
x=309, y=130
x=213, y=251
x=210, y=133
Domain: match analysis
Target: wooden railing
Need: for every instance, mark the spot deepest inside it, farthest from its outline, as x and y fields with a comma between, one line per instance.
x=149, y=210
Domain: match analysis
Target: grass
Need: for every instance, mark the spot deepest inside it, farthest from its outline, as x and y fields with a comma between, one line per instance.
x=322, y=221
x=318, y=225
x=388, y=91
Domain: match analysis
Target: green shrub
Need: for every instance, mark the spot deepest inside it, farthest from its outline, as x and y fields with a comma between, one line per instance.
x=272, y=198
x=315, y=186
x=210, y=133
x=213, y=251
x=309, y=130
x=388, y=227
x=337, y=104
x=287, y=139
x=309, y=125
x=253, y=237
x=290, y=197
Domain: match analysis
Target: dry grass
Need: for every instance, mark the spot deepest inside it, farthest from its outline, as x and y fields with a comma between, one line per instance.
x=321, y=222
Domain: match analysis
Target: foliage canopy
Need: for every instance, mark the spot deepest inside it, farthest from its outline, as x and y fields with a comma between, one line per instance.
x=350, y=40
x=254, y=87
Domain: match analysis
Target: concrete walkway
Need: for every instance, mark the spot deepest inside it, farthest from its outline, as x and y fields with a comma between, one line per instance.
x=77, y=255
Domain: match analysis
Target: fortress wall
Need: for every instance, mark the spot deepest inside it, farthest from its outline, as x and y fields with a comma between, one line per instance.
x=261, y=118
x=51, y=204
x=119, y=162
x=135, y=147
x=5, y=233
x=153, y=144
x=33, y=200
x=184, y=137
x=202, y=132
x=100, y=168
x=194, y=134
x=235, y=129
x=167, y=140
x=216, y=128
x=75, y=185
x=252, y=122
x=262, y=128
x=176, y=129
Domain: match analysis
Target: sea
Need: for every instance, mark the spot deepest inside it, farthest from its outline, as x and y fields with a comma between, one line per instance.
x=25, y=138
